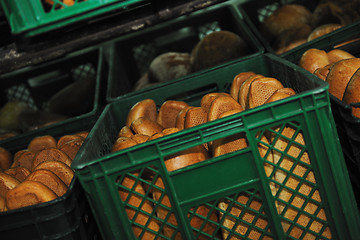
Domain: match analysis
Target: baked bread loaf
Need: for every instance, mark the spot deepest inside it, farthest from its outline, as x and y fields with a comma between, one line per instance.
x=72, y=147
x=168, y=112
x=7, y=183
x=23, y=158
x=20, y=173
x=237, y=82
x=28, y=193
x=313, y=59
x=50, y=154
x=221, y=105
x=145, y=126
x=145, y=108
x=336, y=55
x=244, y=90
x=49, y=179
x=180, y=118
x=208, y=98
x=261, y=89
x=42, y=142
x=125, y=131
x=63, y=171
x=322, y=30
x=352, y=92
x=122, y=143
x=5, y=159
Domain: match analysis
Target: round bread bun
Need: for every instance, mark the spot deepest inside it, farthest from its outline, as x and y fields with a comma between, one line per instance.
x=261, y=90
x=42, y=142
x=323, y=71
x=28, y=193
x=145, y=126
x=313, y=59
x=169, y=66
x=145, y=108
x=7, y=183
x=50, y=154
x=336, y=55
x=323, y=30
x=122, y=143
x=207, y=99
x=244, y=90
x=217, y=48
x=5, y=159
x=288, y=16
x=20, y=173
x=180, y=118
x=221, y=105
x=63, y=171
x=169, y=111
x=339, y=75
x=49, y=179
x=352, y=92
x=237, y=82
x=24, y=159
x=72, y=147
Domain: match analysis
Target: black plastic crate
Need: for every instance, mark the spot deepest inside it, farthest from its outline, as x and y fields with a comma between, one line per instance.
x=131, y=55
x=67, y=217
x=255, y=11
x=35, y=85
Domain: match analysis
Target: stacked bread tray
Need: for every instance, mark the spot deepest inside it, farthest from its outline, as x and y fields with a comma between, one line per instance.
x=243, y=180
x=68, y=216
x=53, y=95
x=291, y=39
x=131, y=56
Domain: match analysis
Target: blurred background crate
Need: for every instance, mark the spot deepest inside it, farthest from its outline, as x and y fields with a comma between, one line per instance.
x=26, y=95
x=237, y=178
x=130, y=56
x=255, y=13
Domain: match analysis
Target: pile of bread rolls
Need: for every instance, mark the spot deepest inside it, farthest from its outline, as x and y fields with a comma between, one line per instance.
x=293, y=24
x=215, y=48
x=248, y=90
x=40, y=173
x=340, y=69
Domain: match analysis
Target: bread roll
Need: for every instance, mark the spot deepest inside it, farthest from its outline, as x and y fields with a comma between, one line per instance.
x=217, y=48
x=280, y=94
x=169, y=111
x=145, y=126
x=145, y=108
x=42, y=142
x=67, y=138
x=313, y=59
x=50, y=154
x=122, y=143
x=323, y=30
x=221, y=105
x=20, y=173
x=140, y=138
x=28, y=193
x=180, y=118
x=63, y=171
x=7, y=183
x=49, y=179
x=339, y=75
x=352, y=92
x=169, y=66
x=261, y=90
x=5, y=158
x=336, y=55
x=244, y=90
x=72, y=147
x=237, y=82
x=323, y=71
x=125, y=132
x=24, y=159
x=207, y=99
x=195, y=116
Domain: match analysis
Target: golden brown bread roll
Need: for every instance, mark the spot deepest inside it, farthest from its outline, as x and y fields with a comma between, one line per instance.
x=145, y=108
x=336, y=55
x=339, y=75
x=323, y=71
x=140, y=138
x=20, y=173
x=50, y=154
x=217, y=48
x=122, y=143
x=5, y=158
x=221, y=105
x=28, y=193
x=49, y=179
x=261, y=89
x=323, y=30
x=244, y=90
x=63, y=171
x=237, y=82
x=42, y=142
x=313, y=59
x=7, y=183
x=145, y=126
x=169, y=111
x=72, y=147
x=125, y=131
x=24, y=159
x=352, y=92
x=67, y=138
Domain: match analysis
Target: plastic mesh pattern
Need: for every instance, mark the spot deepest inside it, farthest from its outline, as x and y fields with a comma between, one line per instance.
x=293, y=184
x=21, y=93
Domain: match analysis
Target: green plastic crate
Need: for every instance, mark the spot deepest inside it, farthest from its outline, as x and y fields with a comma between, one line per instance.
x=35, y=85
x=229, y=176
x=254, y=12
x=131, y=55
x=32, y=17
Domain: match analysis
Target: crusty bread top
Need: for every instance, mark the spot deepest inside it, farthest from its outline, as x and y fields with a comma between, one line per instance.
x=145, y=108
